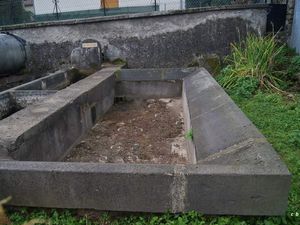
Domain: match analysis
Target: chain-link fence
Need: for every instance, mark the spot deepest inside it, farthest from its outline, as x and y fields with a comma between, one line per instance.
x=24, y=11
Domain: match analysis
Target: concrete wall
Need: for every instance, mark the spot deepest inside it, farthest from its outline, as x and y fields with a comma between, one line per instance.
x=156, y=39
x=236, y=170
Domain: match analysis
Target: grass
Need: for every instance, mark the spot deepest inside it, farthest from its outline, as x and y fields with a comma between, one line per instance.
x=189, y=135
x=258, y=58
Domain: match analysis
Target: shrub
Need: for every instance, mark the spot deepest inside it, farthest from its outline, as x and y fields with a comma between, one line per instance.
x=245, y=87
x=257, y=58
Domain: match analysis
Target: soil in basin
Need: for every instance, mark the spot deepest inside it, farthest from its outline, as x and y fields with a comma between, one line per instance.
x=137, y=131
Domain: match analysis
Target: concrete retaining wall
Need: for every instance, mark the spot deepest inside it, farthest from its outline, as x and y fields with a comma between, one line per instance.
x=157, y=39
x=234, y=170
x=151, y=83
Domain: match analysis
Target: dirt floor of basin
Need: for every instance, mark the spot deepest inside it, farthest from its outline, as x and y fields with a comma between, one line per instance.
x=137, y=131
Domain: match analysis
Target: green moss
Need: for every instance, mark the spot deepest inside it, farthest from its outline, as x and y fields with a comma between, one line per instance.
x=211, y=62
x=119, y=62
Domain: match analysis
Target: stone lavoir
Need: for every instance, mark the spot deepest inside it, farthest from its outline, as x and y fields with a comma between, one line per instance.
x=230, y=168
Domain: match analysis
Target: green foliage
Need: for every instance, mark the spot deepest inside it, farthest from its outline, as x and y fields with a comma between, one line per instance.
x=295, y=138
x=245, y=87
x=294, y=66
x=260, y=58
x=189, y=134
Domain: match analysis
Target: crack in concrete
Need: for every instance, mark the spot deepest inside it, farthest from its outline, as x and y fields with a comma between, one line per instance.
x=212, y=110
x=234, y=149
x=178, y=189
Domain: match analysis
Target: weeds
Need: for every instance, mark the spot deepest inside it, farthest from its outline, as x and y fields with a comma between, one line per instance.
x=257, y=58
x=189, y=134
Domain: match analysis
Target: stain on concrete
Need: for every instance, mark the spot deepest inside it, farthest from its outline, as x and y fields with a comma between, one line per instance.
x=165, y=40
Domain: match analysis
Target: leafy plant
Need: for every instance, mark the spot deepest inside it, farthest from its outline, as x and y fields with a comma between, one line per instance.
x=257, y=58
x=189, y=134
x=295, y=138
x=245, y=88
x=294, y=66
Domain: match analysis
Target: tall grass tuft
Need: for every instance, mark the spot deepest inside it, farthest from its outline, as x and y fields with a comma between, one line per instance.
x=257, y=58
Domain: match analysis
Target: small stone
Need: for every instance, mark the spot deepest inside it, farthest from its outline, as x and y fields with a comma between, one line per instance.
x=165, y=100
x=150, y=101
x=120, y=124
x=118, y=159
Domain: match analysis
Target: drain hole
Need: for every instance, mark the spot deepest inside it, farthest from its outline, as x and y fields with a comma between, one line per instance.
x=93, y=114
x=120, y=99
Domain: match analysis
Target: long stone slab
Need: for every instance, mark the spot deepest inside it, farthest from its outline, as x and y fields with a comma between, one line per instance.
x=227, y=142
x=46, y=130
x=209, y=189
x=152, y=82
x=155, y=74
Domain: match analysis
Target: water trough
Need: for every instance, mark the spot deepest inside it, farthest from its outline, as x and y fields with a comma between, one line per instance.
x=230, y=169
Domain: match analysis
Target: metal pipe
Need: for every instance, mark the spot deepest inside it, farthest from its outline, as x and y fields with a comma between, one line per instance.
x=13, y=53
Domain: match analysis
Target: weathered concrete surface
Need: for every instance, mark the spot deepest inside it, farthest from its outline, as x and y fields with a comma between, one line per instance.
x=159, y=39
x=87, y=57
x=54, y=81
x=47, y=129
x=235, y=171
x=191, y=151
x=149, y=89
x=242, y=190
x=13, y=101
x=225, y=138
x=113, y=187
x=28, y=97
x=210, y=189
x=151, y=83
x=218, y=123
x=155, y=74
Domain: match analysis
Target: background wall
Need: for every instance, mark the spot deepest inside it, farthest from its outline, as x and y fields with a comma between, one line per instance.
x=295, y=38
x=158, y=39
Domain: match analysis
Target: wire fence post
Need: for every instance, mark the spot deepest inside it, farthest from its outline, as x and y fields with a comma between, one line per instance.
x=56, y=9
x=104, y=8
x=154, y=5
